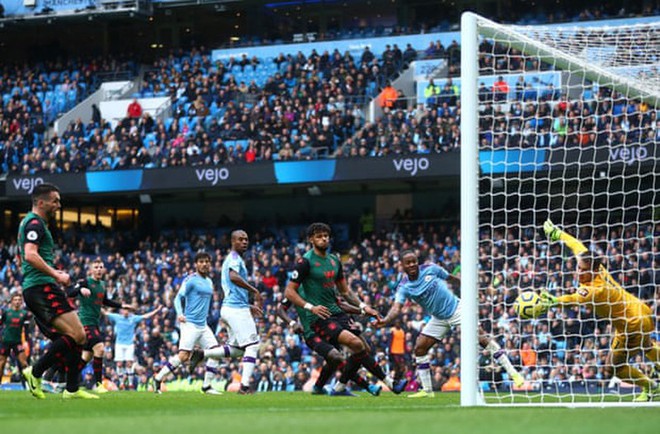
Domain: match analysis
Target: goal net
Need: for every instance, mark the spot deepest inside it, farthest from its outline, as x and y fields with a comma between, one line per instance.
x=558, y=123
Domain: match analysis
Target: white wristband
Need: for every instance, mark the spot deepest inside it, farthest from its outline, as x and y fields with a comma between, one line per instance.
x=363, y=305
x=292, y=323
x=308, y=306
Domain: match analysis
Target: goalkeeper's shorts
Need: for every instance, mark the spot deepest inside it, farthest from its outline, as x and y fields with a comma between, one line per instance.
x=634, y=335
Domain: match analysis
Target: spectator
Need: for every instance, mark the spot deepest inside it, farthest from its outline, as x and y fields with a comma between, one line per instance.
x=134, y=110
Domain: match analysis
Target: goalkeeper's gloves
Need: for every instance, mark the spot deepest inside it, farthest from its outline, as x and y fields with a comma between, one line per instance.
x=548, y=300
x=552, y=231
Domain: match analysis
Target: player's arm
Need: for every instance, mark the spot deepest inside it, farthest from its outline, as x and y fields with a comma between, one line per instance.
x=34, y=232
x=351, y=297
x=115, y=304
x=150, y=314
x=394, y=312
x=282, y=313
x=178, y=302
x=26, y=326
x=556, y=234
x=583, y=294
x=237, y=280
x=79, y=288
x=299, y=274
x=348, y=308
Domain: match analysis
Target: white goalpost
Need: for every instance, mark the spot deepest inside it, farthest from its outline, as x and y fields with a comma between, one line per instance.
x=561, y=123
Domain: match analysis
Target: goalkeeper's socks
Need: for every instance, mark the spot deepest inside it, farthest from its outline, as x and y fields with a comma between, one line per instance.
x=424, y=372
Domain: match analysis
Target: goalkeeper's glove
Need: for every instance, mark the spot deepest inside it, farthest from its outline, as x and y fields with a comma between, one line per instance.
x=548, y=300
x=552, y=231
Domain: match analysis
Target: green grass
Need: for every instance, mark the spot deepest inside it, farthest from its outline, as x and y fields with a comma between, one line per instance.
x=292, y=413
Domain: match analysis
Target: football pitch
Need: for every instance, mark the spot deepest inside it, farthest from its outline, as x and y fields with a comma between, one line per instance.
x=283, y=412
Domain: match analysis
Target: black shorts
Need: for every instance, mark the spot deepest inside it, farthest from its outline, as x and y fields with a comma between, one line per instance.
x=47, y=302
x=94, y=336
x=6, y=349
x=319, y=346
x=330, y=328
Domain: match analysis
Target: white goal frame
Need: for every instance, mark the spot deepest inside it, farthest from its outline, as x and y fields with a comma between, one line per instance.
x=473, y=27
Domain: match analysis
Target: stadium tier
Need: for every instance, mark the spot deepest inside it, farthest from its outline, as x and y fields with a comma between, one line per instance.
x=547, y=284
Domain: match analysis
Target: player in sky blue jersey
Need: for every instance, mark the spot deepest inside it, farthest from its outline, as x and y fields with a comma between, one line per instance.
x=237, y=312
x=197, y=292
x=125, y=323
x=427, y=286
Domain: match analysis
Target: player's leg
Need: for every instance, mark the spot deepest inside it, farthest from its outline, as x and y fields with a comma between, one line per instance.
x=220, y=352
x=3, y=361
x=97, y=364
x=186, y=345
x=21, y=358
x=618, y=359
x=353, y=343
x=423, y=344
x=651, y=350
x=333, y=358
x=249, y=361
x=245, y=334
x=208, y=340
x=499, y=355
x=170, y=367
x=130, y=370
x=68, y=347
x=57, y=320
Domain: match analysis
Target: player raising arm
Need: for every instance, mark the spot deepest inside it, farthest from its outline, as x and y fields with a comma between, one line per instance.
x=632, y=320
x=427, y=286
x=92, y=297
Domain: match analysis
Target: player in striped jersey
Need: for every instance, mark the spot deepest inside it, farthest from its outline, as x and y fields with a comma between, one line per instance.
x=632, y=320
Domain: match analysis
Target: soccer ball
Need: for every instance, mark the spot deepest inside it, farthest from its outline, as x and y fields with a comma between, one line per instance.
x=528, y=305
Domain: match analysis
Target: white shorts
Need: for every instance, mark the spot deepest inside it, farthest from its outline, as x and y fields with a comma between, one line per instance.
x=192, y=334
x=241, y=326
x=124, y=353
x=437, y=328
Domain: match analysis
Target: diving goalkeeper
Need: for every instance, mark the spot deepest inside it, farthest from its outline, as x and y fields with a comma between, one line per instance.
x=631, y=319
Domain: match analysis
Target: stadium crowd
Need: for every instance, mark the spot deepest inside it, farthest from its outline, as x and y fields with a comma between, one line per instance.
x=564, y=349
x=297, y=107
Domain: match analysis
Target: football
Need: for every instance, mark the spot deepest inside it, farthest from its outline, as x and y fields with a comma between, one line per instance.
x=528, y=305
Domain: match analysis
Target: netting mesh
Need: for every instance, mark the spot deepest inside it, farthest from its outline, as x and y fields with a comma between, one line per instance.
x=568, y=131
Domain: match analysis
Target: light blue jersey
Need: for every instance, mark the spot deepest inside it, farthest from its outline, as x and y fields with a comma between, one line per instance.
x=235, y=296
x=430, y=291
x=124, y=327
x=198, y=292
